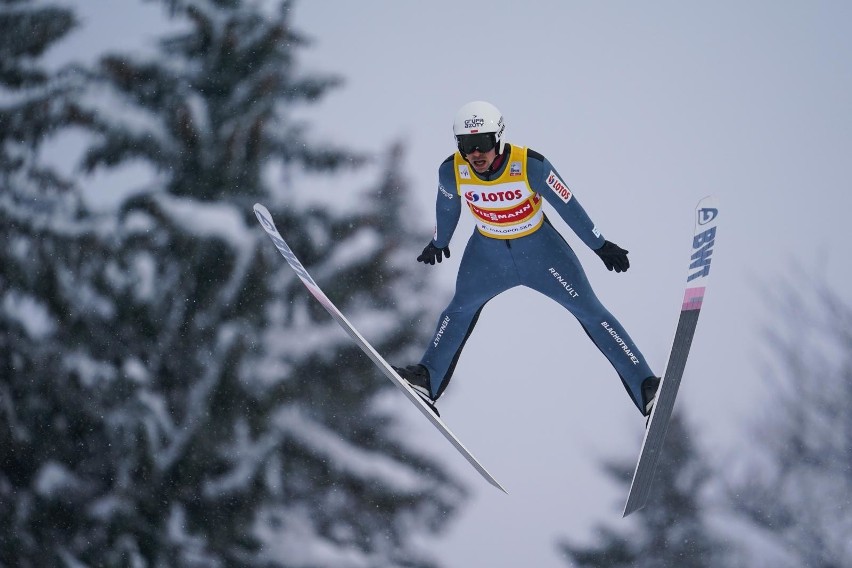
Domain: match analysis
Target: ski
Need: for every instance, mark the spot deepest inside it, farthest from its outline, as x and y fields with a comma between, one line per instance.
x=703, y=240
x=268, y=225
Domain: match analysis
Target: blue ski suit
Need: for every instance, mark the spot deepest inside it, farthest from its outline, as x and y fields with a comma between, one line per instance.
x=514, y=244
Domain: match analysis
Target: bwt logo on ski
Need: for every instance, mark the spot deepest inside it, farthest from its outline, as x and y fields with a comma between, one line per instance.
x=474, y=122
x=510, y=195
x=706, y=215
x=267, y=224
x=702, y=245
x=269, y=227
x=559, y=187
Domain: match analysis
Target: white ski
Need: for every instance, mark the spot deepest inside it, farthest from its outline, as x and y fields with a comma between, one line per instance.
x=266, y=222
x=703, y=240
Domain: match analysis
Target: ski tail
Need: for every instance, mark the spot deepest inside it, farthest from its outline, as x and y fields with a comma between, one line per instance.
x=698, y=274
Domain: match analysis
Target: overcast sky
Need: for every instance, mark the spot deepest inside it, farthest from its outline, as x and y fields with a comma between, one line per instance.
x=644, y=108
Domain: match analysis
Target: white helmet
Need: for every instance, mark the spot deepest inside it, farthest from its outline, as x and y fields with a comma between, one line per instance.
x=479, y=117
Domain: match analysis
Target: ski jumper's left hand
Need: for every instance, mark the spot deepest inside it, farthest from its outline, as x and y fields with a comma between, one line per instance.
x=613, y=256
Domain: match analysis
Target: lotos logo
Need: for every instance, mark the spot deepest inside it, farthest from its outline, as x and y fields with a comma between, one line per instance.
x=706, y=215
x=474, y=122
x=494, y=196
x=559, y=187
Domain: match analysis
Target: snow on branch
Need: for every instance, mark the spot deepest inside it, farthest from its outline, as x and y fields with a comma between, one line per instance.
x=178, y=436
x=291, y=533
x=357, y=249
x=220, y=221
x=346, y=457
x=208, y=220
x=247, y=456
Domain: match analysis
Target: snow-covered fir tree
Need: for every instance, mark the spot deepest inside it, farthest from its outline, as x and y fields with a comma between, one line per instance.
x=41, y=421
x=170, y=394
x=35, y=103
x=671, y=530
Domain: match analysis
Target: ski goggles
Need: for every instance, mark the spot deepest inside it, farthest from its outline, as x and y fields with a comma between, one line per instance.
x=483, y=142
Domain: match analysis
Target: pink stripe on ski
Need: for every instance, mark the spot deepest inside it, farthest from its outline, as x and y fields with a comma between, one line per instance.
x=692, y=298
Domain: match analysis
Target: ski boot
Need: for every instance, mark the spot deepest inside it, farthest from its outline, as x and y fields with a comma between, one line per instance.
x=649, y=396
x=417, y=377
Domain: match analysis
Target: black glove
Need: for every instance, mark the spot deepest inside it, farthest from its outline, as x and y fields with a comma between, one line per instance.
x=432, y=253
x=614, y=257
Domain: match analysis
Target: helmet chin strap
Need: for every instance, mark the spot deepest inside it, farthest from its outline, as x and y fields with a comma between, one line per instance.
x=496, y=163
x=494, y=166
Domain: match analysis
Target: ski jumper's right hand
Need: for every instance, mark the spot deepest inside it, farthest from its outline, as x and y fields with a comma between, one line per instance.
x=432, y=253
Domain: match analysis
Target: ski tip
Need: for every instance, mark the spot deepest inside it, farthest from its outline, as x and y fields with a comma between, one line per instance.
x=265, y=217
x=708, y=201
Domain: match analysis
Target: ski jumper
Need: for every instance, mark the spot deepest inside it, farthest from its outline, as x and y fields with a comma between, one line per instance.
x=515, y=245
